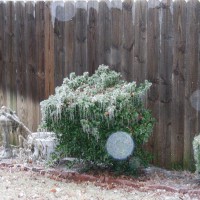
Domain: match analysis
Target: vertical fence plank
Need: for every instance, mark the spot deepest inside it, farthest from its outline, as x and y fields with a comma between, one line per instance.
x=116, y=34
x=178, y=82
x=31, y=74
x=49, y=51
x=191, y=81
x=128, y=41
x=92, y=34
x=8, y=47
x=59, y=41
x=2, y=50
x=7, y=50
x=11, y=89
x=166, y=61
x=198, y=83
x=70, y=25
x=104, y=32
x=81, y=37
x=140, y=41
x=14, y=57
x=21, y=62
x=40, y=56
x=153, y=57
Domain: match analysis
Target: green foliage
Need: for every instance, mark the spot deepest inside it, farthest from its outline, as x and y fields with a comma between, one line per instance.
x=196, y=148
x=85, y=111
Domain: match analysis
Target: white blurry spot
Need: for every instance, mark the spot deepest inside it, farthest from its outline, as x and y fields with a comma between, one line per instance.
x=117, y=4
x=120, y=145
x=195, y=100
x=81, y=4
x=153, y=4
x=62, y=12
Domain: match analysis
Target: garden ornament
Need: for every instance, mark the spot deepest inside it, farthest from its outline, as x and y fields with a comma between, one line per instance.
x=5, y=124
x=42, y=144
x=13, y=132
x=15, y=135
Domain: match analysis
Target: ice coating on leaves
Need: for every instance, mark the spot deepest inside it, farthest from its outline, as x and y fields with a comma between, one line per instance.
x=86, y=110
x=196, y=149
x=89, y=128
x=104, y=91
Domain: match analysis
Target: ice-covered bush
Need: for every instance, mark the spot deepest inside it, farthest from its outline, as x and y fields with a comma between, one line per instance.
x=86, y=110
x=196, y=148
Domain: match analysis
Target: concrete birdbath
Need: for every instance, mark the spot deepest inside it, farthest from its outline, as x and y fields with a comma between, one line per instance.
x=14, y=134
x=6, y=128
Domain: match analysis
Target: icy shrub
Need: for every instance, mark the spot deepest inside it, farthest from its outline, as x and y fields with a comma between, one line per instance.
x=196, y=148
x=86, y=110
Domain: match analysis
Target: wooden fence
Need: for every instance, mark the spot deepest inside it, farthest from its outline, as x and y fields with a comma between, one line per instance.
x=42, y=42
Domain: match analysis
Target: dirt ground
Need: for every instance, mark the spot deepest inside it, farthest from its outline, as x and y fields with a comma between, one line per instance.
x=29, y=181
x=26, y=185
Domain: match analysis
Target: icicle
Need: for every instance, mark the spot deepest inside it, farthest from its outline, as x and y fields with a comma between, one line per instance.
x=56, y=113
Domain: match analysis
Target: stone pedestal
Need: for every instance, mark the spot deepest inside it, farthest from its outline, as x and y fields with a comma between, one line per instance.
x=43, y=144
x=13, y=133
x=6, y=128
